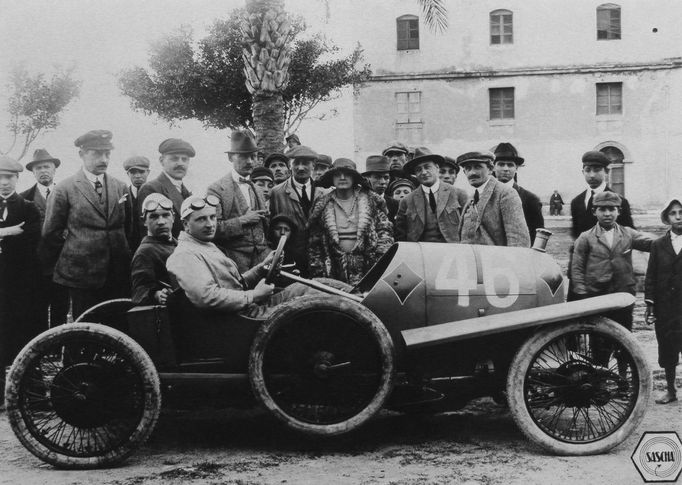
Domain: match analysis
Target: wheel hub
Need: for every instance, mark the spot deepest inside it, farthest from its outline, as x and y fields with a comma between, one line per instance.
x=586, y=385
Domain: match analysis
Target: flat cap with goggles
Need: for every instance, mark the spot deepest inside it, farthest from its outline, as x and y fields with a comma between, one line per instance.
x=154, y=201
x=196, y=203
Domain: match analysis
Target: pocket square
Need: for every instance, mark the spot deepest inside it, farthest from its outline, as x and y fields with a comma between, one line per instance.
x=123, y=199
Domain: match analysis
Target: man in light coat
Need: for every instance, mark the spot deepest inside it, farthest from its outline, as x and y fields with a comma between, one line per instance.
x=494, y=216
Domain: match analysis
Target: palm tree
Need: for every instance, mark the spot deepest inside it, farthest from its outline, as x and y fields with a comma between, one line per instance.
x=267, y=53
x=435, y=14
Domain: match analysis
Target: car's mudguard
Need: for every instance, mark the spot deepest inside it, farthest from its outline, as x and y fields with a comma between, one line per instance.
x=516, y=320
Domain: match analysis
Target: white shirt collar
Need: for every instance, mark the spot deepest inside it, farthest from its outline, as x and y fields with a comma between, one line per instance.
x=133, y=190
x=10, y=195
x=236, y=176
x=482, y=187
x=433, y=188
x=509, y=182
x=598, y=190
x=299, y=186
x=92, y=177
x=177, y=183
x=43, y=189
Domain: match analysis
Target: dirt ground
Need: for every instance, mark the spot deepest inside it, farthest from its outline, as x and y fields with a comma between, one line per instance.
x=477, y=445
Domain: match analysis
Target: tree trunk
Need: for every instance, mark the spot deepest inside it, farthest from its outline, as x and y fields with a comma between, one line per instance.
x=268, y=121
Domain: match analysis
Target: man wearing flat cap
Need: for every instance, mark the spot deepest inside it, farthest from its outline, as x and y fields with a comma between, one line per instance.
x=396, y=153
x=94, y=259
x=242, y=212
x=494, y=216
x=507, y=162
x=595, y=171
x=137, y=168
x=20, y=318
x=322, y=165
x=51, y=295
x=295, y=199
x=431, y=212
x=378, y=175
x=279, y=164
x=174, y=159
x=263, y=178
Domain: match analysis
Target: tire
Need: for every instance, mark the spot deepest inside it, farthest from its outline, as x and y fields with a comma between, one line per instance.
x=579, y=388
x=322, y=365
x=82, y=396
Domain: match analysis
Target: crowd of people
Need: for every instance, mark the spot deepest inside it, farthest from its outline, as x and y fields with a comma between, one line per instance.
x=92, y=237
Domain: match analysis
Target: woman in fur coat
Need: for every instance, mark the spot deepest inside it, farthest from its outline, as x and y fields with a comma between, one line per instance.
x=348, y=227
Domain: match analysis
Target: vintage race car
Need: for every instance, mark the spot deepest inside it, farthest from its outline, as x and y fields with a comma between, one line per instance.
x=430, y=327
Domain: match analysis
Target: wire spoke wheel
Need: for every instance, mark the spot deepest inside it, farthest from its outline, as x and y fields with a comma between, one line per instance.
x=580, y=388
x=322, y=368
x=82, y=395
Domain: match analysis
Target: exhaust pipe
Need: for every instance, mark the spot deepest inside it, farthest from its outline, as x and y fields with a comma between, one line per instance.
x=541, y=239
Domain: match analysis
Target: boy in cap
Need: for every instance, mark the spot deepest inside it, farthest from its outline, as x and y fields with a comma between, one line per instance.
x=174, y=159
x=137, y=168
x=602, y=259
x=263, y=178
x=663, y=295
x=89, y=207
x=148, y=275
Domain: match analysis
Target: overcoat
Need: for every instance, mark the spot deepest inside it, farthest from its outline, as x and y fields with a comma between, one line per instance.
x=246, y=245
x=584, y=221
x=411, y=216
x=532, y=211
x=95, y=247
x=32, y=194
x=163, y=185
x=497, y=219
x=148, y=269
x=374, y=237
x=134, y=224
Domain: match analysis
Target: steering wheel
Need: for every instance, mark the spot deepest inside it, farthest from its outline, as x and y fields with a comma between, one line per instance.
x=276, y=263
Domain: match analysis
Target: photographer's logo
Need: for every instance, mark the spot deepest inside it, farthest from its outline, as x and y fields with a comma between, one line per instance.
x=658, y=457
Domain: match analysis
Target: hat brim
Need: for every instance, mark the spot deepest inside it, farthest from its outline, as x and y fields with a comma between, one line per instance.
x=108, y=146
x=56, y=161
x=517, y=160
x=138, y=167
x=394, y=149
x=664, y=212
x=241, y=151
x=327, y=179
x=365, y=174
x=412, y=164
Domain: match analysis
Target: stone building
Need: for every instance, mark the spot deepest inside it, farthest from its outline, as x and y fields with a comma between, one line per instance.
x=554, y=78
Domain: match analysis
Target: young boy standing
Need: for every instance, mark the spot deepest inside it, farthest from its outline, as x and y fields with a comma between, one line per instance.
x=663, y=295
x=602, y=260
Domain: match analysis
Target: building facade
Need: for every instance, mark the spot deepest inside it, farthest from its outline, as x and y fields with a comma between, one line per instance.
x=554, y=78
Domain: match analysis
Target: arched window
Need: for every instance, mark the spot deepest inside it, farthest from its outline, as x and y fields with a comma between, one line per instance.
x=608, y=21
x=616, y=177
x=408, y=32
x=501, y=27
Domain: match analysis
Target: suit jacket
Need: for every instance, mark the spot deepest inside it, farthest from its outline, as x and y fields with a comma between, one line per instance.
x=284, y=200
x=497, y=219
x=663, y=284
x=582, y=221
x=134, y=231
x=599, y=269
x=411, y=216
x=163, y=185
x=532, y=210
x=33, y=195
x=95, y=247
x=244, y=244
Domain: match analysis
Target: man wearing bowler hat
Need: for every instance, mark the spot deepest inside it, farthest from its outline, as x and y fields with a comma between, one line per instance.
x=431, y=212
x=494, y=215
x=378, y=175
x=242, y=225
x=279, y=164
x=595, y=171
x=507, y=162
x=174, y=159
x=137, y=168
x=94, y=260
x=295, y=199
x=52, y=295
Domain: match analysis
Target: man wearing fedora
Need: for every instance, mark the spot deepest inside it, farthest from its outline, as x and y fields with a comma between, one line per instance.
x=378, y=175
x=94, y=260
x=279, y=164
x=595, y=170
x=137, y=168
x=494, y=216
x=242, y=225
x=51, y=295
x=507, y=162
x=431, y=212
x=295, y=198
x=175, y=157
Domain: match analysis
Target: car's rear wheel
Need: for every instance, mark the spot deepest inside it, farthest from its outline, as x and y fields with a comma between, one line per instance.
x=82, y=396
x=579, y=388
x=322, y=365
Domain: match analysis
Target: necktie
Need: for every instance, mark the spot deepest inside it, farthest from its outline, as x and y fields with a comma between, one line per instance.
x=3, y=209
x=589, y=202
x=242, y=180
x=98, y=189
x=184, y=192
x=476, y=197
x=305, y=201
x=432, y=201
x=47, y=192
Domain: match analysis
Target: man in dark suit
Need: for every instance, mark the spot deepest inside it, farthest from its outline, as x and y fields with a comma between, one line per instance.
x=20, y=320
x=494, y=215
x=431, y=212
x=595, y=169
x=507, y=162
x=137, y=168
x=52, y=296
x=242, y=216
x=94, y=260
x=174, y=159
x=295, y=198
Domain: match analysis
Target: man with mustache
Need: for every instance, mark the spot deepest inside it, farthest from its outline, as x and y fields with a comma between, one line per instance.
x=278, y=163
x=494, y=216
x=242, y=225
x=93, y=259
x=174, y=159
